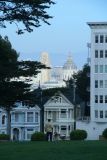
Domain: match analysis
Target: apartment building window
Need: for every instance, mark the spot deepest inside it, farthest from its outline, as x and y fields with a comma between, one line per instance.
x=105, y=98
x=105, y=114
x=101, y=114
x=105, y=53
x=101, y=68
x=29, y=116
x=101, y=98
x=96, y=53
x=101, y=53
x=96, y=68
x=106, y=39
x=96, y=83
x=96, y=38
x=96, y=98
x=101, y=84
x=105, y=83
x=105, y=68
x=101, y=38
x=96, y=113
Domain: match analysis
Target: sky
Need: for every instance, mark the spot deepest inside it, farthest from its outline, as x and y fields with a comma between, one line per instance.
x=68, y=32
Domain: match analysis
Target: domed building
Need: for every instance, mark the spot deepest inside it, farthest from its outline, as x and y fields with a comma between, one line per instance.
x=69, y=68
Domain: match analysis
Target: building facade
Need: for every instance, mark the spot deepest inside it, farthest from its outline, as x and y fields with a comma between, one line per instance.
x=61, y=112
x=24, y=122
x=98, y=85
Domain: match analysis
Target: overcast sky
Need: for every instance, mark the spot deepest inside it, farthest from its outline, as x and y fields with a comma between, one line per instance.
x=68, y=32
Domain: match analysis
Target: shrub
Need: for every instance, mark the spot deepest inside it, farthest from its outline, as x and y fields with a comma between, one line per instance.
x=78, y=135
x=4, y=137
x=105, y=133
x=38, y=136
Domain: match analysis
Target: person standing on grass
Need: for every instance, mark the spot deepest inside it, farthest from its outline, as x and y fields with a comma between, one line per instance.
x=49, y=130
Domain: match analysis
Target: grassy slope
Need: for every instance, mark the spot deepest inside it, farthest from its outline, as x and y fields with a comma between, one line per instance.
x=75, y=150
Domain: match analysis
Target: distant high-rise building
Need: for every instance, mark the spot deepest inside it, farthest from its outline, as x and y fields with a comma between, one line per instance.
x=44, y=76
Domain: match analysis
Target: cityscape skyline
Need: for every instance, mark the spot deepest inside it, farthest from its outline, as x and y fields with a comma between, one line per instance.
x=68, y=32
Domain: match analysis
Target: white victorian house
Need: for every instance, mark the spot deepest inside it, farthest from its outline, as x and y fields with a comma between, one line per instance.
x=24, y=122
x=61, y=112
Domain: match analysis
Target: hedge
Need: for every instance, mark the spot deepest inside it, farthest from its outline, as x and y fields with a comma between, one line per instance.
x=38, y=136
x=78, y=135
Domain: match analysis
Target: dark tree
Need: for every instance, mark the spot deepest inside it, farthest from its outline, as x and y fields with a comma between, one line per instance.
x=12, y=90
x=30, y=12
x=83, y=86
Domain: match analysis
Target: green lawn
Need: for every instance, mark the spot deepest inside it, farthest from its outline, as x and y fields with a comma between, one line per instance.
x=65, y=150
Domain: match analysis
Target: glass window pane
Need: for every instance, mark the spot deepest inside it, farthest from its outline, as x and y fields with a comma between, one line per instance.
x=96, y=38
x=101, y=68
x=101, y=83
x=101, y=38
x=96, y=68
x=101, y=53
x=96, y=53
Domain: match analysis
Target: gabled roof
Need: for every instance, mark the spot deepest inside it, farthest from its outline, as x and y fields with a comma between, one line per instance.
x=56, y=100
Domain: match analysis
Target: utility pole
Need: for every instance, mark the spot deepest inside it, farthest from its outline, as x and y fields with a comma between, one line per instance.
x=74, y=102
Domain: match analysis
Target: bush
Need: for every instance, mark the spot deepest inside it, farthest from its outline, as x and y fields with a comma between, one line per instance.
x=4, y=137
x=78, y=135
x=105, y=133
x=38, y=136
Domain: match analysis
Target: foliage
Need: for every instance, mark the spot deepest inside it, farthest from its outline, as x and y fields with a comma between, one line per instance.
x=30, y=12
x=4, y=137
x=78, y=135
x=38, y=136
x=105, y=133
x=82, y=81
x=12, y=89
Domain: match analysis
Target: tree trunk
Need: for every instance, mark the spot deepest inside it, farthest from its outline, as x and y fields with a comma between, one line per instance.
x=9, y=123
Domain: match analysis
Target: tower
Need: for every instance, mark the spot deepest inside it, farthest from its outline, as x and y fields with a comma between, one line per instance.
x=98, y=86
x=45, y=73
x=69, y=68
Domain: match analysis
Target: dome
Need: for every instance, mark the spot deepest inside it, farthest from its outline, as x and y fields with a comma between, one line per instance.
x=69, y=64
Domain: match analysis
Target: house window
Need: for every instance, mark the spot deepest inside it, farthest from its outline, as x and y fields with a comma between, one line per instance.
x=96, y=53
x=96, y=68
x=96, y=83
x=101, y=114
x=3, y=119
x=29, y=133
x=36, y=117
x=101, y=83
x=105, y=83
x=96, y=38
x=105, y=98
x=105, y=53
x=105, y=68
x=96, y=113
x=29, y=116
x=16, y=118
x=96, y=98
x=101, y=98
x=105, y=114
x=101, y=38
x=63, y=130
x=63, y=113
x=101, y=68
x=101, y=53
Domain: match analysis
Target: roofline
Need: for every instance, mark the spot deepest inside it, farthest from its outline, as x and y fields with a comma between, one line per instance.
x=97, y=23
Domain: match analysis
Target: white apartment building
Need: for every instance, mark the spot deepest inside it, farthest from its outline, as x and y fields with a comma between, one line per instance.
x=61, y=112
x=24, y=122
x=98, y=86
